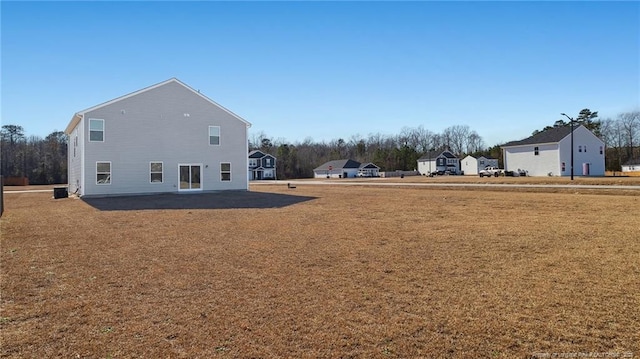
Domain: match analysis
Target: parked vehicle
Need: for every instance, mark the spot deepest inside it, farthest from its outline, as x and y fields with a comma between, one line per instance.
x=518, y=173
x=443, y=172
x=491, y=171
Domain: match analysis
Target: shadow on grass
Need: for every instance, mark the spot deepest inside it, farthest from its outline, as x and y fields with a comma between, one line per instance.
x=215, y=200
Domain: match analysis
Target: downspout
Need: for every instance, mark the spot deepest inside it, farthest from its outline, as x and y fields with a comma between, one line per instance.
x=82, y=154
x=246, y=156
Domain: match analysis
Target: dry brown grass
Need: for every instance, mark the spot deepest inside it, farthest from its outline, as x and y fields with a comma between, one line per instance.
x=578, y=180
x=357, y=272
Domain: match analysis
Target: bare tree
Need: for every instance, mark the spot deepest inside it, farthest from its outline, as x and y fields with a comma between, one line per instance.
x=474, y=143
x=630, y=122
x=456, y=137
x=13, y=147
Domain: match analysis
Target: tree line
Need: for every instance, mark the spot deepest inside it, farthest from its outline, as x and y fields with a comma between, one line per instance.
x=389, y=152
x=41, y=160
x=621, y=136
x=44, y=160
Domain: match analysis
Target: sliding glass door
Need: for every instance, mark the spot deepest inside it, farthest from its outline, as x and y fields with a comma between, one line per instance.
x=190, y=177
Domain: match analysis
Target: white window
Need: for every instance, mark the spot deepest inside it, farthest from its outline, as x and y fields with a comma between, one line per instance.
x=155, y=170
x=96, y=130
x=103, y=172
x=253, y=162
x=225, y=171
x=268, y=161
x=214, y=135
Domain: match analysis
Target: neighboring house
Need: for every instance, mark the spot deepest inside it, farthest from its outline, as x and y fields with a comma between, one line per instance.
x=368, y=170
x=471, y=165
x=164, y=138
x=445, y=161
x=633, y=165
x=346, y=169
x=261, y=166
x=548, y=153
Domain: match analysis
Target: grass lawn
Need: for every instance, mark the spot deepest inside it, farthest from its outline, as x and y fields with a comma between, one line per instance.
x=350, y=271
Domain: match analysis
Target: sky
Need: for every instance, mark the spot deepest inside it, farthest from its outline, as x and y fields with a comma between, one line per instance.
x=328, y=70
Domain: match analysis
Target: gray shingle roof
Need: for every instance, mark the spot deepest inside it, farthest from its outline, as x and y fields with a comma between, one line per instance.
x=448, y=154
x=551, y=135
x=337, y=164
x=260, y=154
x=368, y=165
x=434, y=155
x=256, y=154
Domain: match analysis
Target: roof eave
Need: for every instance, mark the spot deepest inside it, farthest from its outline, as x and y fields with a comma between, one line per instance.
x=533, y=144
x=73, y=123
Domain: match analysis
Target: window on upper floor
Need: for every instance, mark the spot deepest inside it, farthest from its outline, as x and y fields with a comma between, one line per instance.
x=214, y=135
x=579, y=148
x=225, y=171
x=253, y=162
x=601, y=150
x=96, y=130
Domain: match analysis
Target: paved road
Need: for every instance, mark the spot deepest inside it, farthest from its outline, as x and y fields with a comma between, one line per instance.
x=444, y=184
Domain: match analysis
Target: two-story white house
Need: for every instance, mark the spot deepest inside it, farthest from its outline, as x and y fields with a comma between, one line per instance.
x=548, y=153
x=445, y=162
x=262, y=166
x=164, y=138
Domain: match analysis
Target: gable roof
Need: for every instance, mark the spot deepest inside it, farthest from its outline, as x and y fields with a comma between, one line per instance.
x=447, y=154
x=256, y=154
x=552, y=135
x=431, y=155
x=80, y=114
x=481, y=157
x=368, y=165
x=338, y=164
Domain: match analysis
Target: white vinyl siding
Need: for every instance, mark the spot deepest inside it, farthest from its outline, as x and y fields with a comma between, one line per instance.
x=214, y=135
x=96, y=130
x=153, y=129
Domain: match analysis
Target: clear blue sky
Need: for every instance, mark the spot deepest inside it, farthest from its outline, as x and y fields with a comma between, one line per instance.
x=329, y=70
